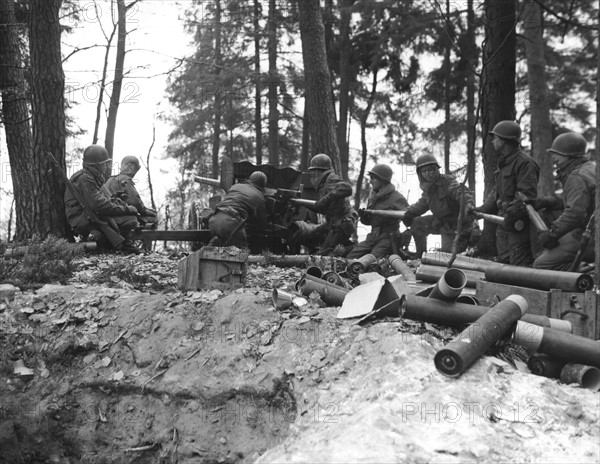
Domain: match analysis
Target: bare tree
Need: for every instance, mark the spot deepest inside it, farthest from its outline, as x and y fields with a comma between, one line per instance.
x=257, y=84
x=273, y=86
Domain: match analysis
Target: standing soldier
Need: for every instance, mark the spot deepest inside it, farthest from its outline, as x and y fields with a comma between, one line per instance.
x=384, y=196
x=243, y=204
x=122, y=186
x=442, y=196
x=516, y=172
x=578, y=177
x=333, y=203
x=88, y=183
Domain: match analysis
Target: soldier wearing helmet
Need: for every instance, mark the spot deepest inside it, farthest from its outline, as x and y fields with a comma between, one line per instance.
x=516, y=172
x=384, y=196
x=88, y=182
x=122, y=186
x=577, y=175
x=333, y=203
x=442, y=196
x=243, y=205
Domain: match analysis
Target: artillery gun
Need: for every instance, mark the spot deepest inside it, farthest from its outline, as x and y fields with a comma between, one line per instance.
x=283, y=186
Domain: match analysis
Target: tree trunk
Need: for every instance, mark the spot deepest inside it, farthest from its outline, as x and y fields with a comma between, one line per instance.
x=218, y=96
x=257, y=84
x=597, y=210
x=471, y=111
x=305, y=153
x=541, y=128
x=273, y=86
x=345, y=7
x=363, y=139
x=498, y=91
x=447, y=71
x=48, y=120
x=103, y=84
x=111, y=122
x=15, y=119
x=318, y=81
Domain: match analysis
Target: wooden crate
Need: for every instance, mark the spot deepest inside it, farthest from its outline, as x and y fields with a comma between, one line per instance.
x=213, y=267
x=554, y=303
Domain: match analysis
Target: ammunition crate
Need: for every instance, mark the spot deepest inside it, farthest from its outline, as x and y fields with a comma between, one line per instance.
x=213, y=268
x=581, y=309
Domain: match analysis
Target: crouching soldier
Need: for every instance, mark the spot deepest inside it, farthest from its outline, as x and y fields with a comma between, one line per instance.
x=88, y=182
x=244, y=204
x=334, y=204
x=384, y=196
x=122, y=186
x=442, y=196
x=578, y=177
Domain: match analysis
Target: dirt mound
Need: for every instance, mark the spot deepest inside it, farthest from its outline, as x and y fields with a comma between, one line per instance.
x=157, y=375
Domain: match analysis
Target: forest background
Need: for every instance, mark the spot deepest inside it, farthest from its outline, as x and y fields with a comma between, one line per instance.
x=277, y=81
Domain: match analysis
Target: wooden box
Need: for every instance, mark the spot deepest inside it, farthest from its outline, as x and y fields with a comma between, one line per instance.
x=581, y=309
x=213, y=267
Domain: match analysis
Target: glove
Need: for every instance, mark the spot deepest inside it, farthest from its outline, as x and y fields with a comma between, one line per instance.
x=541, y=202
x=365, y=217
x=408, y=219
x=548, y=240
x=515, y=212
x=131, y=210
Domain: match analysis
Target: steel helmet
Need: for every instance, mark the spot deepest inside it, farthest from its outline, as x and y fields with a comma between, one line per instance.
x=426, y=159
x=321, y=162
x=95, y=155
x=258, y=179
x=569, y=144
x=507, y=130
x=382, y=172
x=130, y=160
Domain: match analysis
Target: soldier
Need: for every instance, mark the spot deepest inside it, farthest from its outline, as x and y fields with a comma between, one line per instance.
x=516, y=172
x=122, y=186
x=88, y=182
x=333, y=203
x=243, y=204
x=384, y=196
x=442, y=196
x=578, y=177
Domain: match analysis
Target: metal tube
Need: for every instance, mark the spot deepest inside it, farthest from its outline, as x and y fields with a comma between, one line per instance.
x=386, y=213
x=374, y=267
x=534, y=216
x=330, y=294
x=456, y=357
x=359, y=265
x=400, y=267
x=282, y=299
x=544, y=365
x=560, y=345
x=315, y=271
x=449, y=285
x=208, y=181
x=333, y=278
x=440, y=258
x=420, y=308
x=430, y=273
x=518, y=225
x=303, y=202
x=584, y=376
x=541, y=279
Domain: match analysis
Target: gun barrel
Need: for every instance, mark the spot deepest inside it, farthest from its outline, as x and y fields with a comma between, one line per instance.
x=208, y=181
x=303, y=202
x=386, y=213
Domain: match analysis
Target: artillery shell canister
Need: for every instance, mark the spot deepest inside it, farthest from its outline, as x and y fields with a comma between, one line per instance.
x=359, y=265
x=330, y=294
x=400, y=267
x=431, y=273
x=450, y=285
x=456, y=357
x=440, y=258
x=541, y=279
x=584, y=376
x=315, y=271
x=333, y=278
x=544, y=365
x=420, y=308
x=560, y=345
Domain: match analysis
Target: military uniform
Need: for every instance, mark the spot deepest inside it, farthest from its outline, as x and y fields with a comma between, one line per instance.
x=243, y=204
x=334, y=204
x=89, y=185
x=578, y=177
x=379, y=240
x=516, y=172
x=442, y=198
x=122, y=186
